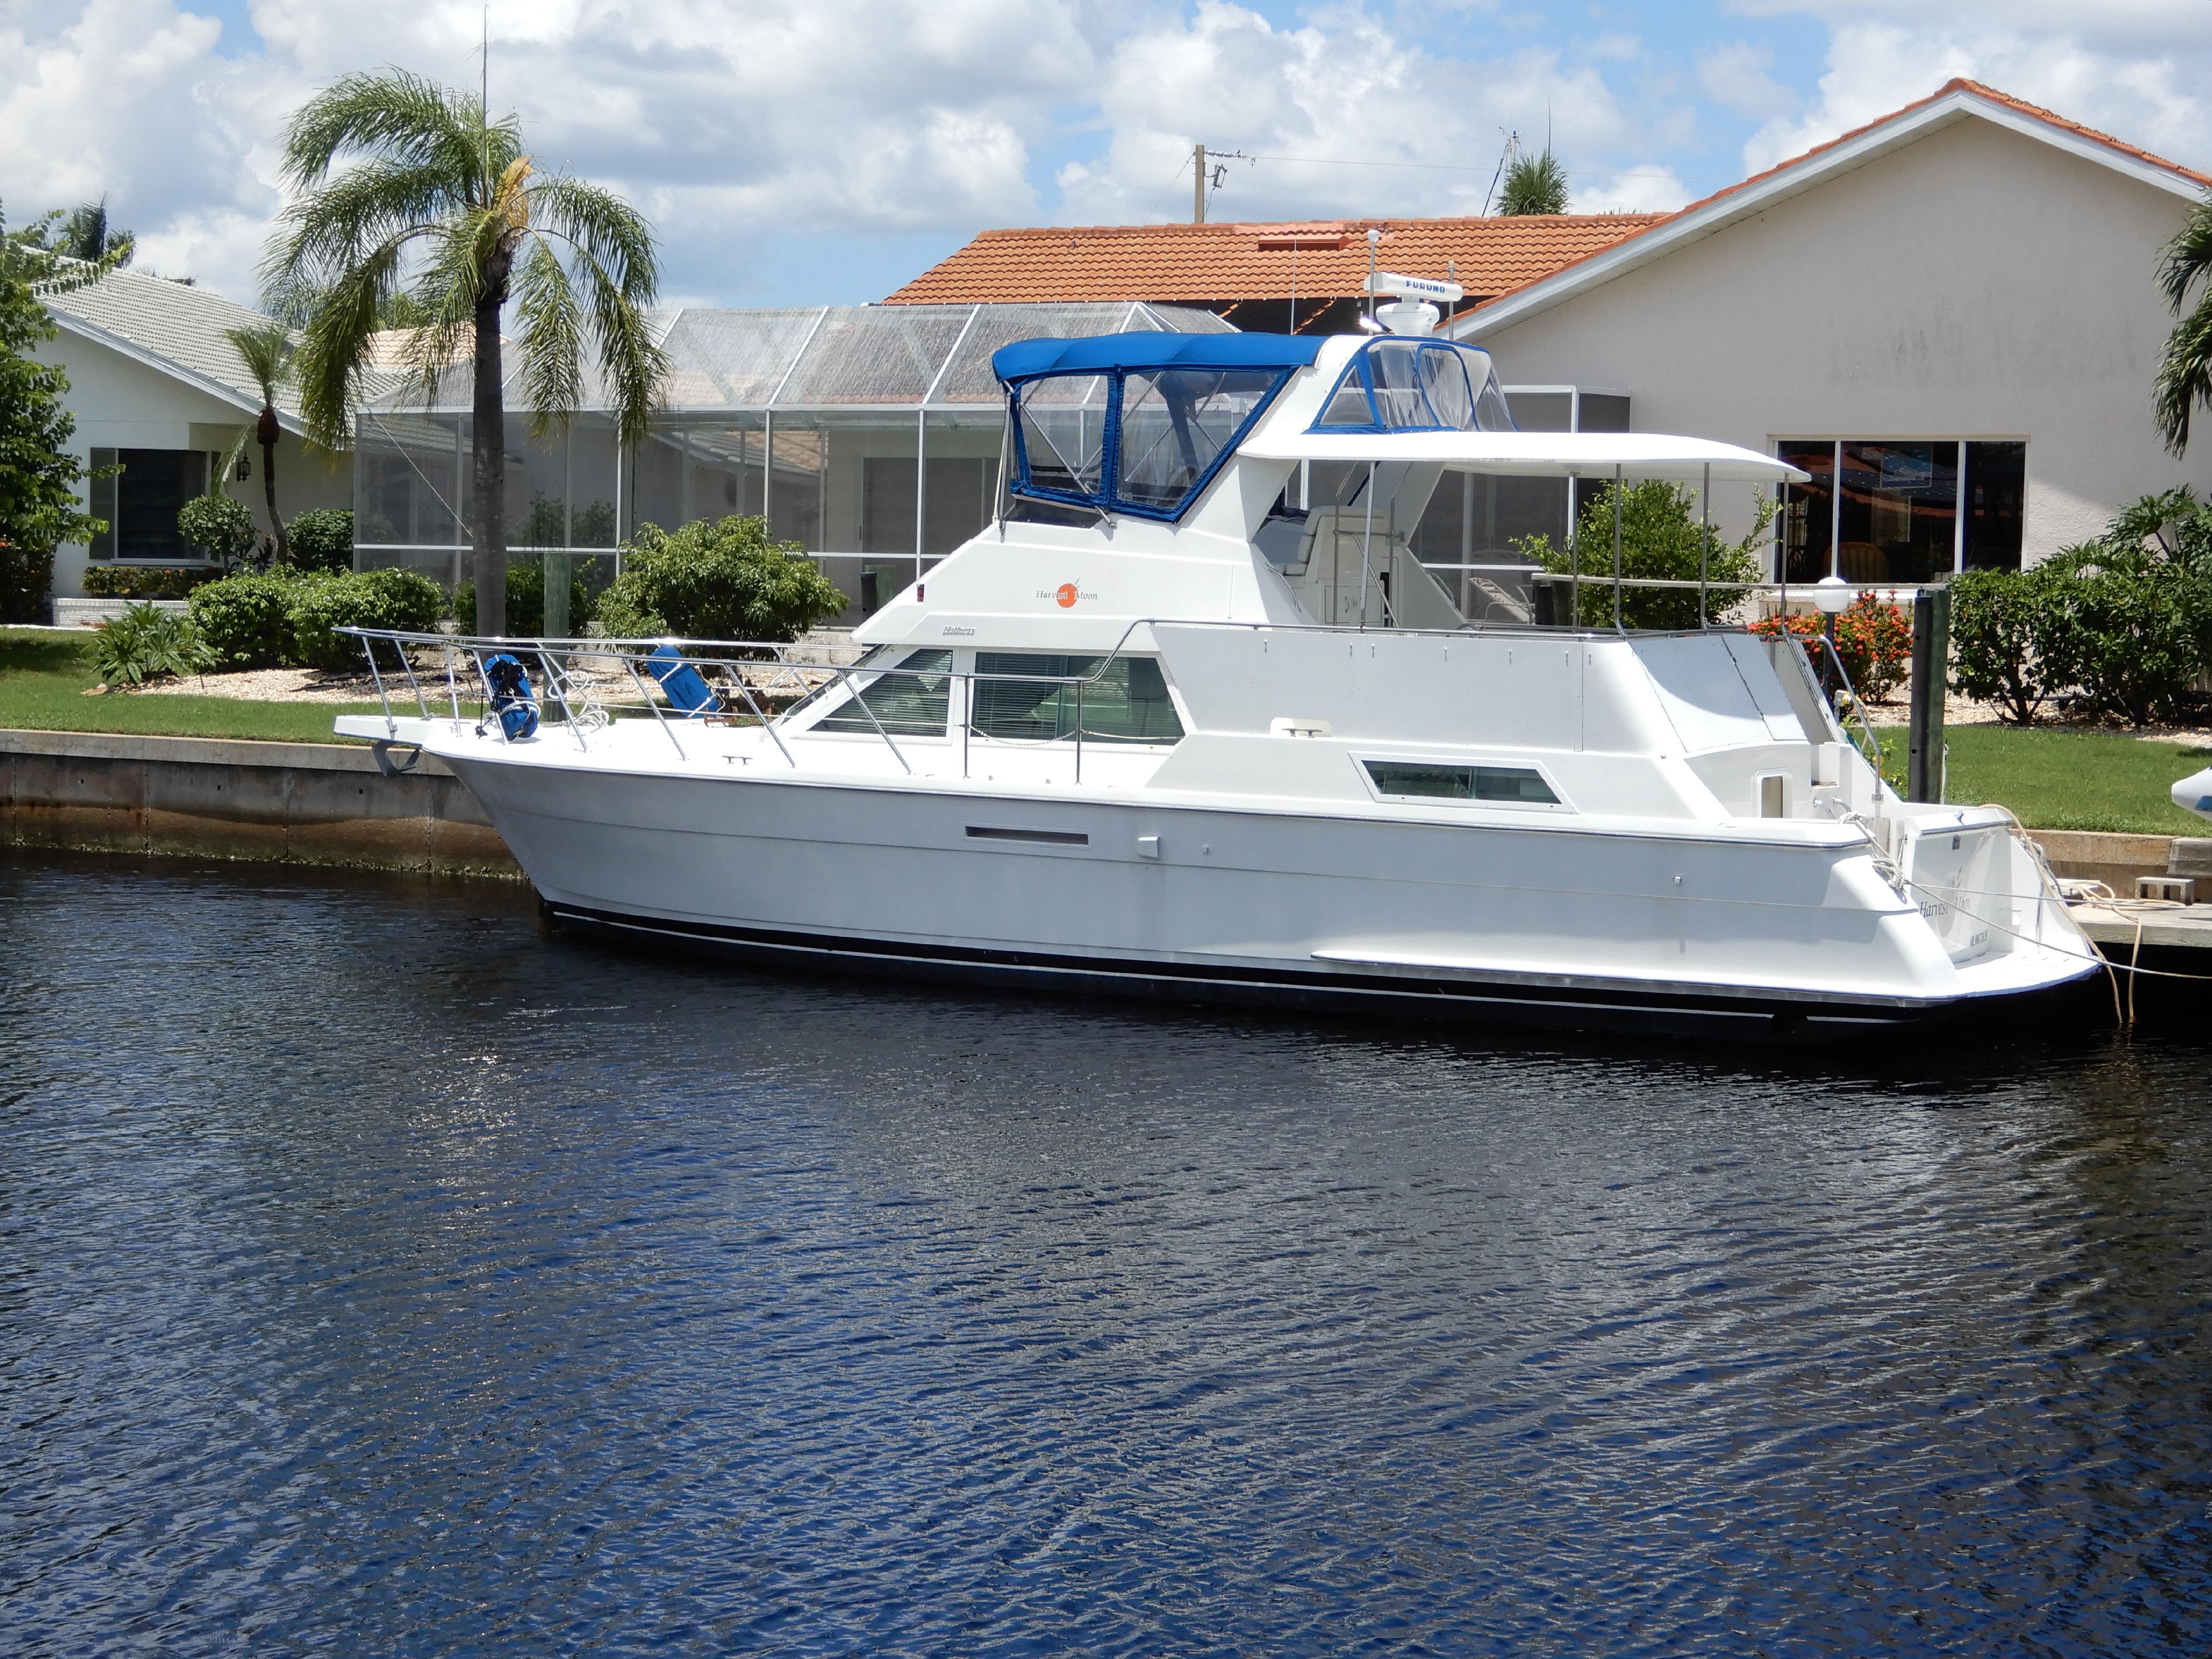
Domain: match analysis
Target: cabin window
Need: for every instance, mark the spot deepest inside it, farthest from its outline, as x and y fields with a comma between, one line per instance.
x=1127, y=703
x=1517, y=786
x=1416, y=386
x=909, y=705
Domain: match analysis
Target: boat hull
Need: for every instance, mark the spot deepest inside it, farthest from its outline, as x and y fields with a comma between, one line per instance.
x=1543, y=925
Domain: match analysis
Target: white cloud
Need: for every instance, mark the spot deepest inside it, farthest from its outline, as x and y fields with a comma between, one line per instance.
x=1648, y=188
x=1735, y=77
x=2125, y=67
x=1370, y=123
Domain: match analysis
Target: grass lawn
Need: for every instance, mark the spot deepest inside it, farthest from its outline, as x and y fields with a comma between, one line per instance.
x=2069, y=779
x=43, y=676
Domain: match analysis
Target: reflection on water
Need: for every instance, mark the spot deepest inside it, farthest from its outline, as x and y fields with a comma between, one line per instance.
x=382, y=1274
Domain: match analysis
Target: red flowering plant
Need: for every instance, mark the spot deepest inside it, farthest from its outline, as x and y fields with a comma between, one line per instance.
x=1873, y=638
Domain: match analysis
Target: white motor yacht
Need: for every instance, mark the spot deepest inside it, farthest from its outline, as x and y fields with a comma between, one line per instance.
x=1190, y=722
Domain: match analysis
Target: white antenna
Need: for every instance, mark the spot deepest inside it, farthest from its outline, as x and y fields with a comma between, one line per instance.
x=484, y=92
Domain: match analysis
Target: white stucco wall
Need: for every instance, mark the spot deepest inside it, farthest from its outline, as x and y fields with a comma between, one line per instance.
x=1978, y=284
x=119, y=403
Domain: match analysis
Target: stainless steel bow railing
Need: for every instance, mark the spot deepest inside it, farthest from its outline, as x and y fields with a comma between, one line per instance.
x=758, y=674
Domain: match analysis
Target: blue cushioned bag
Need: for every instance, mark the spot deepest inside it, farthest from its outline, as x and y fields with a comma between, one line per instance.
x=510, y=696
x=688, y=694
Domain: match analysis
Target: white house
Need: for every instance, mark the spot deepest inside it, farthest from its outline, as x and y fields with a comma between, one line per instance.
x=1966, y=286
x=156, y=389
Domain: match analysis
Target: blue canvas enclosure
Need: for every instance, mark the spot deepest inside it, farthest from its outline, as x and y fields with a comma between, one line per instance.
x=1138, y=423
x=688, y=694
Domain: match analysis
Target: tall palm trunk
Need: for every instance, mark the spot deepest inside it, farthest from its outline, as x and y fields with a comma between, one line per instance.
x=489, y=455
x=265, y=433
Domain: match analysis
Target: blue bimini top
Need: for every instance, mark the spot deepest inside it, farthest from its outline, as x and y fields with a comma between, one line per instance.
x=1104, y=354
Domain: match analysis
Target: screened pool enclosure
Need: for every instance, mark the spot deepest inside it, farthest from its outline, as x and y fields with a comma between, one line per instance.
x=869, y=434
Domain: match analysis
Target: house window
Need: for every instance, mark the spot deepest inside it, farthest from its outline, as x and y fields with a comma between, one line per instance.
x=1887, y=510
x=141, y=503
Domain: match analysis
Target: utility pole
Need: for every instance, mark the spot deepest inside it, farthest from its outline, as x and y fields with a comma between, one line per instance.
x=1198, y=185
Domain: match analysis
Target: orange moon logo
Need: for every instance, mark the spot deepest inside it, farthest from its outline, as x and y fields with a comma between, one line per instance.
x=1066, y=594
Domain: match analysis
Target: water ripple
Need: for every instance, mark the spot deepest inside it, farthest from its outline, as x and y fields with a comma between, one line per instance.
x=379, y=1274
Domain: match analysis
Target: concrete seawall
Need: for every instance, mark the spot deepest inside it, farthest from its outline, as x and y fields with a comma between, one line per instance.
x=300, y=802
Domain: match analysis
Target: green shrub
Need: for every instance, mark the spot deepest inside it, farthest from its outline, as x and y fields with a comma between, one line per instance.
x=2137, y=630
x=322, y=540
x=246, y=621
x=401, y=599
x=1659, y=541
x=525, y=602
x=144, y=581
x=221, y=528
x=2011, y=644
x=145, y=642
x=25, y=576
x=716, y=578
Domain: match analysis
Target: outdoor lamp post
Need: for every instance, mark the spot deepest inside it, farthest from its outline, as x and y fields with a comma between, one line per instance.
x=1832, y=596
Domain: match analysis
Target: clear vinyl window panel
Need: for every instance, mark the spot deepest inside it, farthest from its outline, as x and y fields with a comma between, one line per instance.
x=1062, y=430
x=909, y=705
x=1417, y=386
x=1175, y=424
x=1127, y=703
x=1517, y=786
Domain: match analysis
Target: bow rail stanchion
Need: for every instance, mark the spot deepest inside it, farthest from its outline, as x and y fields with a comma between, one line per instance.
x=1705, y=540
x=1617, y=628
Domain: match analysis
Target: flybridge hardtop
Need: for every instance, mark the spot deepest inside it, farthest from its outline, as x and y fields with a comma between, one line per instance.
x=1189, y=719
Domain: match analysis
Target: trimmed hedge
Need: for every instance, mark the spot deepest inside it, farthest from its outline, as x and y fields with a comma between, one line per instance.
x=402, y=600
x=145, y=581
x=525, y=602
x=245, y=622
x=322, y=540
x=284, y=621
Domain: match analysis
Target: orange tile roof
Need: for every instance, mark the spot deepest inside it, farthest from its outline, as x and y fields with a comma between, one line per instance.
x=1222, y=262
x=1958, y=84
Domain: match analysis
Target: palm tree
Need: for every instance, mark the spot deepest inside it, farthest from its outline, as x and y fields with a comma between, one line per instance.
x=264, y=348
x=2185, y=376
x=1533, y=184
x=446, y=200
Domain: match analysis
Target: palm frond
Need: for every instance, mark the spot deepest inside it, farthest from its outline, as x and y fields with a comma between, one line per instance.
x=607, y=230
x=2185, y=376
x=550, y=325
x=405, y=117
x=332, y=355
x=265, y=349
x=328, y=229
x=2188, y=258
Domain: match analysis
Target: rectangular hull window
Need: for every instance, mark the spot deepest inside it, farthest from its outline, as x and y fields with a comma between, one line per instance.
x=1518, y=786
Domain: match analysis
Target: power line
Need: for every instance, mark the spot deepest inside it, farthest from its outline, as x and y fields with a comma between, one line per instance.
x=1338, y=161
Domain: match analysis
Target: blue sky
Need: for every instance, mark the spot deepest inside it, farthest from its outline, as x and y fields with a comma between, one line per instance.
x=806, y=151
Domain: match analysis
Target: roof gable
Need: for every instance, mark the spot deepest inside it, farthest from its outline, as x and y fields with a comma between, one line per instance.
x=171, y=327
x=1957, y=100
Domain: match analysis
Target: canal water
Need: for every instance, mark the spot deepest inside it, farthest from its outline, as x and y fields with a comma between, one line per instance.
x=381, y=1274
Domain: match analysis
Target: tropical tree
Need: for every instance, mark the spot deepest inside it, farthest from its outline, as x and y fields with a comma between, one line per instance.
x=40, y=478
x=80, y=233
x=438, y=201
x=2184, y=375
x=265, y=348
x=1533, y=184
